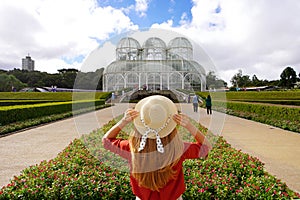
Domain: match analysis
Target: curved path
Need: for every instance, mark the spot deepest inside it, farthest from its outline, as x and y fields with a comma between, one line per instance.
x=277, y=148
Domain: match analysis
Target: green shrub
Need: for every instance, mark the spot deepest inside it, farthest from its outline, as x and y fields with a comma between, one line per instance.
x=6, y=129
x=264, y=95
x=55, y=96
x=253, y=95
x=11, y=114
x=268, y=101
x=76, y=174
x=279, y=116
x=22, y=102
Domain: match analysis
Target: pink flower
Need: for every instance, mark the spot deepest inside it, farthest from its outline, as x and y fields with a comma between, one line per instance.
x=201, y=190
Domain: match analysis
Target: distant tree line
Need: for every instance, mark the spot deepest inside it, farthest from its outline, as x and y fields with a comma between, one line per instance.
x=17, y=79
x=65, y=78
x=288, y=78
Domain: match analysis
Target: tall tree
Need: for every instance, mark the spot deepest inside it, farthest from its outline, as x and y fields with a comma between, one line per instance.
x=212, y=81
x=239, y=80
x=288, y=77
x=236, y=78
x=10, y=83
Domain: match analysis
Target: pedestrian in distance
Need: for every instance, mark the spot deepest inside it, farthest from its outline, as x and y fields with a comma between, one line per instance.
x=195, y=103
x=208, y=105
x=155, y=149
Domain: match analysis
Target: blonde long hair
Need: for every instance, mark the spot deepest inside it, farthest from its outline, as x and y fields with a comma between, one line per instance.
x=151, y=169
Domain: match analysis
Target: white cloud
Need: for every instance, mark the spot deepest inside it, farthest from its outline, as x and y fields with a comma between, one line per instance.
x=183, y=19
x=165, y=25
x=260, y=37
x=51, y=30
x=141, y=7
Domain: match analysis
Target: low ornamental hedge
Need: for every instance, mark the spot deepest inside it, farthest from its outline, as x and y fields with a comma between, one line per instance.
x=76, y=174
x=253, y=95
x=274, y=95
x=279, y=116
x=55, y=96
x=280, y=102
x=22, y=102
x=11, y=114
x=10, y=128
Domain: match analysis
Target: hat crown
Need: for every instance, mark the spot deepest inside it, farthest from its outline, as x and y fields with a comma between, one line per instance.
x=155, y=115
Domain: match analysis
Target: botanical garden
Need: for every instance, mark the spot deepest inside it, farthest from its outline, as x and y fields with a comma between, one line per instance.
x=81, y=170
x=76, y=173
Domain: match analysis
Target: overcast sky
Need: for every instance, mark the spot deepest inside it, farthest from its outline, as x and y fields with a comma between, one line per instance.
x=259, y=37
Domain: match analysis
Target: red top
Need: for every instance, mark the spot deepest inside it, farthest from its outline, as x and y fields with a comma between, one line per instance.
x=174, y=188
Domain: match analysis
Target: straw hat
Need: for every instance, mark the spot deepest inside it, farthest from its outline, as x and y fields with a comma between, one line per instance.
x=156, y=114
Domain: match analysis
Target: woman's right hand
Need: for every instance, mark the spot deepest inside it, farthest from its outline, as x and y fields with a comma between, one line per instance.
x=129, y=115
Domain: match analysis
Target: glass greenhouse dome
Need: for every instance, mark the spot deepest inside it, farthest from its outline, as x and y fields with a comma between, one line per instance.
x=154, y=66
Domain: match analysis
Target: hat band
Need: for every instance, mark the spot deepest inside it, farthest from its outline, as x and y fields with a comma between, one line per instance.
x=159, y=145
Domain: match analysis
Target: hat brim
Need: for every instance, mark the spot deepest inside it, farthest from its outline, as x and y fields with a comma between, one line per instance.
x=169, y=106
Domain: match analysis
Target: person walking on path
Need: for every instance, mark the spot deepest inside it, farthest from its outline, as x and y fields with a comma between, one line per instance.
x=208, y=105
x=195, y=103
x=155, y=150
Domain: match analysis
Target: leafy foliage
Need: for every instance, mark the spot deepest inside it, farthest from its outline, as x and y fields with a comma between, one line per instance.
x=54, y=96
x=11, y=114
x=30, y=109
x=240, y=80
x=76, y=174
x=9, y=83
x=258, y=106
x=212, y=81
x=66, y=78
x=279, y=116
x=288, y=77
x=253, y=95
x=12, y=127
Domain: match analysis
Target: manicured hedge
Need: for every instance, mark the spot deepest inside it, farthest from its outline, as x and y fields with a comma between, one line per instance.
x=22, y=102
x=275, y=95
x=11, y=114
x=269, y=101
x=76, y=174
x=6, y=129
x=279, y=116
x=55, y=96
x=253, y=95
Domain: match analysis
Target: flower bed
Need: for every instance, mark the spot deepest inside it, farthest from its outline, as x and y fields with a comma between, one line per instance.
x=76, y=174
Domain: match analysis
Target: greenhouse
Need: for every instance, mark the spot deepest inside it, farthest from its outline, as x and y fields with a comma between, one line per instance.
x=154, y=66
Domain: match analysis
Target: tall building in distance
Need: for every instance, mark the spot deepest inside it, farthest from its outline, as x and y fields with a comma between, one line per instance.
x=28, y=63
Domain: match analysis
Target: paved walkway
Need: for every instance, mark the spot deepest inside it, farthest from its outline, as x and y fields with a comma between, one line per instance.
x=278, y=149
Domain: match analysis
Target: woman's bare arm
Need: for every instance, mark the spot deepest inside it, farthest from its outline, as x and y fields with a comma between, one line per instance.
x=129, y=115
x=184, y=121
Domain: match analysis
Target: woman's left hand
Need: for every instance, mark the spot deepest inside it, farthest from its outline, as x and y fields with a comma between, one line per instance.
x=182, y=120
